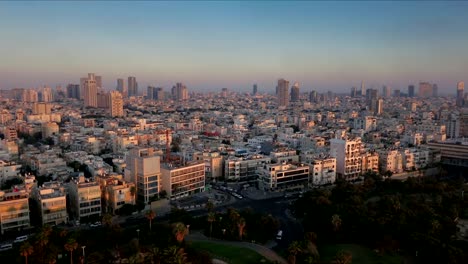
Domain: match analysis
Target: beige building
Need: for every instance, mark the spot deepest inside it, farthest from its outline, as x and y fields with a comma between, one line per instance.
x=49, y=129
x=213, y=163
x=284, y=176
x=116, y=104
x=370, y=162
x=183, y=180
x=390, y=160
x=52, y=203
x=283, y=92
x=143, y=168
x=14, y=210
x=118, y=193
x=42, y=108
x=85, y=199
x=90, y=91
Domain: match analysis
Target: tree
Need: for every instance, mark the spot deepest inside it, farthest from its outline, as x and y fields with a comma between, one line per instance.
x=293, y=249
x=71, y=246
x=211, y=218
x=241, y=227
x=26, y=250
x=150, y=215
x=209, y=206
x=343, y=257
x=107, y=220
x=175, y=255
x=179, y=230
x=336, y=222
x=132, y=193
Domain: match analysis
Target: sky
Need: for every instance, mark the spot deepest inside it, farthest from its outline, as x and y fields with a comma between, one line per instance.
x=211, y=45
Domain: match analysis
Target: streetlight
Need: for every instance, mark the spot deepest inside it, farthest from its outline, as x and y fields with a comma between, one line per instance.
x=83, y=247
x=188, y=229
x=138, y=231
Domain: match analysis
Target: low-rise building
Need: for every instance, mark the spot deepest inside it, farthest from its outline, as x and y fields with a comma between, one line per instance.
x=180, y=180
x=85, y=199
x=284, y=176
x=14, y=210
x=51, y=203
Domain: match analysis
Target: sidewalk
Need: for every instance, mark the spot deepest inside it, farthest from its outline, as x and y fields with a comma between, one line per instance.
x=254, y=194
x=264, y=251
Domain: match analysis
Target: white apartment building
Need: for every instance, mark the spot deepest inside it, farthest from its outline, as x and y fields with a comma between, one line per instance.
x=280, y=156
x=85, y=199
x=8, y=170
x=143, y=168
x=244, y=169
x=14, y=210
x=51, y=203
x=284, y=176
x=323, y=171
x=180, y=180
x=390, y=160
x=348, y=157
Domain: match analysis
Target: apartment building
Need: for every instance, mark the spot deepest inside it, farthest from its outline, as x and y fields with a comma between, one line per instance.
x=370, y=162
x=14, y=210
x=85, y=199
x=143, y=168
x=284, y=176
x=390, y=160
x=348, y=157
x=118, y=193
x=213, y=163
x=51, y=203
x=244, y=169
x=322, y=171
x=180, y=180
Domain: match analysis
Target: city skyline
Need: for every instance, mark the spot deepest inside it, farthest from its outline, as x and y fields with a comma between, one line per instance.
x=211, y=45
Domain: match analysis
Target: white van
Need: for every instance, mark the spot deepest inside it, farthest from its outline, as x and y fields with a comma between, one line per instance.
x=279, y=235
x=20, y=239
x=5, y=247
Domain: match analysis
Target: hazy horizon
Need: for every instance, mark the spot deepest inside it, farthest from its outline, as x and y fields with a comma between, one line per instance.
x=211, y=45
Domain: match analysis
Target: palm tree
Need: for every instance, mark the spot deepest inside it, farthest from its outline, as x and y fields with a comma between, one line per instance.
x=150, y=214
x=209, y=206
x=179, y=230
x=343, y=257
x=154, y=255
x=336, y=222
x=293, y=249
x=107, y=220
x=71, y=245
x=175, y=255
x=241, y=227
x=26, y=250
x=211, y=219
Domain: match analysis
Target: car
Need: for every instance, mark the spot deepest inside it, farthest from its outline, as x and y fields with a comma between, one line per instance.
x=6, y=247
x=97, y=224
x=20, y=239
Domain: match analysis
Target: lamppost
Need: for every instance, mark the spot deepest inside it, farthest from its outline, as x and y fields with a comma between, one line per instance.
x=188, y=229
x=83, y=247
x=138, y=232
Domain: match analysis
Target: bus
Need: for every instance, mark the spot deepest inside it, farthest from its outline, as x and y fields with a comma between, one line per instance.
x=279, y=235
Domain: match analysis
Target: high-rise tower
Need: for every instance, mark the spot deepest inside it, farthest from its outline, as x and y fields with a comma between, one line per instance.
x=90, y=91
x=132, y=86
x=460, y=91
x=295, y=92
x=121, y=87
x=283, y=94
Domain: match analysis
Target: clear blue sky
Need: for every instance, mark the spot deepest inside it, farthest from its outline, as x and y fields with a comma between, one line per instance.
x=210, y=45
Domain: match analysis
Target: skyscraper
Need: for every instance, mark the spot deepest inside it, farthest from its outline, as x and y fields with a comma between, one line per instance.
x=460, y=91
x=363, y=88
x=179, y=92
x=121, y=87
x=73, y=91
x=90, y=91
x=313, y=96
x=386, y=91
x=132, y=86
x=116, y=104
x=283, y=94
x=435, y=90
x=353, y=92
x=295, y=91
x=98, y=81
x=411, y=91
x=425, y=90
x=150, y=92
x=255, y=91
x=82, y=87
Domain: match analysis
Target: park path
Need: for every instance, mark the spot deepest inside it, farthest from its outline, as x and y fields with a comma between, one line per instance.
x=264, y=251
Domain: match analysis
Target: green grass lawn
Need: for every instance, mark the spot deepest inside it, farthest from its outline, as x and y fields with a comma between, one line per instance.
x=230, y=254
x=361, y=254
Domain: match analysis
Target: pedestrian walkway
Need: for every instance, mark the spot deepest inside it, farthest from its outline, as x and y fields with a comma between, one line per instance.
x=264, y=251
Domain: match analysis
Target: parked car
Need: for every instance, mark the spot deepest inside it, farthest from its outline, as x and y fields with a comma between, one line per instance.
x=21, y=239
